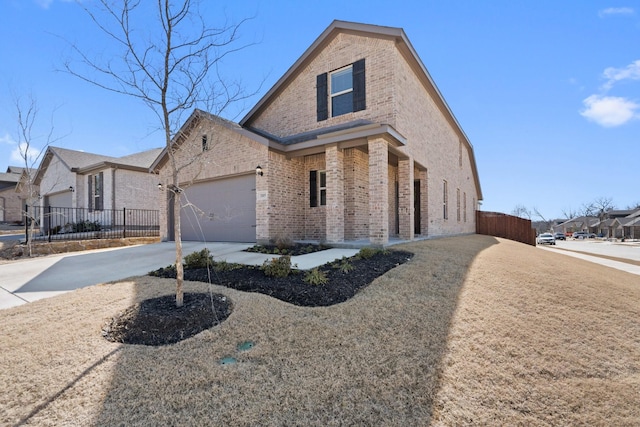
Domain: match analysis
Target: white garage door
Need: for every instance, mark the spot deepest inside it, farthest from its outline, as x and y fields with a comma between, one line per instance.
x=220, y=211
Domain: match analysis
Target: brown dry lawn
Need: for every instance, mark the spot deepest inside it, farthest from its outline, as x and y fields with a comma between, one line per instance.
x=472, y=331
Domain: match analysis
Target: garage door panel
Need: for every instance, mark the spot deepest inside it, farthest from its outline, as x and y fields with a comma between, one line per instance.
x=222, y=211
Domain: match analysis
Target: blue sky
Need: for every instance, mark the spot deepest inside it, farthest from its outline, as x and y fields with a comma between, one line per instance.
x=548, y=92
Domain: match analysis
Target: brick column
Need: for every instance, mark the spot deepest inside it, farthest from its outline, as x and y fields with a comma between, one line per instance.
x=406, y=213
x=378, y=191
x=334, y=159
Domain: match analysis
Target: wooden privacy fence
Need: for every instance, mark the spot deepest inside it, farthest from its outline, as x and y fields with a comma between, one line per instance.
x=506, y=226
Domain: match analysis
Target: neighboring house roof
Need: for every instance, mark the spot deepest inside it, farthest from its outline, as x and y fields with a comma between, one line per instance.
x=15, y=169
x=635, y=214
x=83, y=162
x=619, y=213
x=9, y=177
x=589, y=221
x=402, y=43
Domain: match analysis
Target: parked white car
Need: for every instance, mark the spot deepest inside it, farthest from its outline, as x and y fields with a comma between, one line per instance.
x=546, y=239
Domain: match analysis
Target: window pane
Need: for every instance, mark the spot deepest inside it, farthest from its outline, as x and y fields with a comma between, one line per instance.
x=323, y=197
x=323, y=179
x=342, y=104
x=342, y=80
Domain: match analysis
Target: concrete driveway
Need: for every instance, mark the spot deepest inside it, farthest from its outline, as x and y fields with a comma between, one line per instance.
x=36, y=278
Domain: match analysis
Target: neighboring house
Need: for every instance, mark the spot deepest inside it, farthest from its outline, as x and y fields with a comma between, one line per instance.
x=74, y=179
x=354, y=143
x=581, y=223
x=10, y=201
x=621, y=224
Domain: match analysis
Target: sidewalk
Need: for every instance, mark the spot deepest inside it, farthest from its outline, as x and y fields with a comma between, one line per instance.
x=28, y=280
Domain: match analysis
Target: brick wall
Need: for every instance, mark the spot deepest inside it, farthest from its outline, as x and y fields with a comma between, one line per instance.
x=356, y=179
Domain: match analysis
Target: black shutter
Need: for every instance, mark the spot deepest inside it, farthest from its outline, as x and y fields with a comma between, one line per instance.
x=90, y=193
x=359, y=88
x=313, y=189
x=323, y=97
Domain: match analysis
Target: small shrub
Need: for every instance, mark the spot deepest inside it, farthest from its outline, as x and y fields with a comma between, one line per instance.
x=201, y=259
x=283, y=242
x=226, y=266
x=316, y=277
x=344, y=265
x=277, y=267
x=366, y=253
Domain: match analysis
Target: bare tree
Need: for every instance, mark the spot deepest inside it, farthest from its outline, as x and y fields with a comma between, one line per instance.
x=601, y=206
x=30, y=154
x=170, y=64
x=521, y=211
x=569, y=213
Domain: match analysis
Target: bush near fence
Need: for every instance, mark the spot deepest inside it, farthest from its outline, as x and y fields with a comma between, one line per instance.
x=506, y=226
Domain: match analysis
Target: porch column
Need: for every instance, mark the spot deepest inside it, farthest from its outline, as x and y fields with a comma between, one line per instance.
x=378, y=191
x=334, y=159
x=406, y=214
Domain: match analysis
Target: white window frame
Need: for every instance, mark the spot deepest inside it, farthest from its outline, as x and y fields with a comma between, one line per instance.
x=322, y=190
x=332, y=94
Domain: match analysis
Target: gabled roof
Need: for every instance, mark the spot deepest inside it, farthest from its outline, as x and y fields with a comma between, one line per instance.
x=15, y=169
x=405, y=47
x=83, y=162
x=196, y=117
x=9, y=177
x=587, y=220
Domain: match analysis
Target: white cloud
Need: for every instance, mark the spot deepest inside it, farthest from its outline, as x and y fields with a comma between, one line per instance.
x=616, y=11
x=614, y=75
x=44, y=3
x=17, y=154
x=6, y=139
x=609, y=111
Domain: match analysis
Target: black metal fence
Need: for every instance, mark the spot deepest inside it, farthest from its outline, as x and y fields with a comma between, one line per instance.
x=84, y=224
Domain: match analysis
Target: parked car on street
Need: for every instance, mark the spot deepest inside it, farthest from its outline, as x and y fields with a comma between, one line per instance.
x=559, y=236
x=546, y=239
x=580, y=235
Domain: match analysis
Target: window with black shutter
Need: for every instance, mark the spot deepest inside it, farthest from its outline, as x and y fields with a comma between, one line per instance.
x=317, y=188
x=341, y=91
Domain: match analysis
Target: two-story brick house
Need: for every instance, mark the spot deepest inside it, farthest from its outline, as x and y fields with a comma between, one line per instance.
x=354, y=142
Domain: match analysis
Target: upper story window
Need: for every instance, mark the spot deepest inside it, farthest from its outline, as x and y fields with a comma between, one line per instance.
x=205, y=143
x=341, y=91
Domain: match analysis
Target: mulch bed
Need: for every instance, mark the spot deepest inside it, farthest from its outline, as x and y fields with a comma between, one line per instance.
x=159, y=322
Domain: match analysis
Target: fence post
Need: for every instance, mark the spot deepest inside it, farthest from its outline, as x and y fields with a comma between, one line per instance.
x=124, y=223
x=49, y=223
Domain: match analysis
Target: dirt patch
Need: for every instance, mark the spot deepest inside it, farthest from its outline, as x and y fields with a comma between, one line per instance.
x=157, y=321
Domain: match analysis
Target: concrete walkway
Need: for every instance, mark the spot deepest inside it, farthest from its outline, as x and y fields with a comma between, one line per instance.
x=36, y=278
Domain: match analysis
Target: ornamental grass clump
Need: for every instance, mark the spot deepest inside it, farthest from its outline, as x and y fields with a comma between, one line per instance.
x=316, y=277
